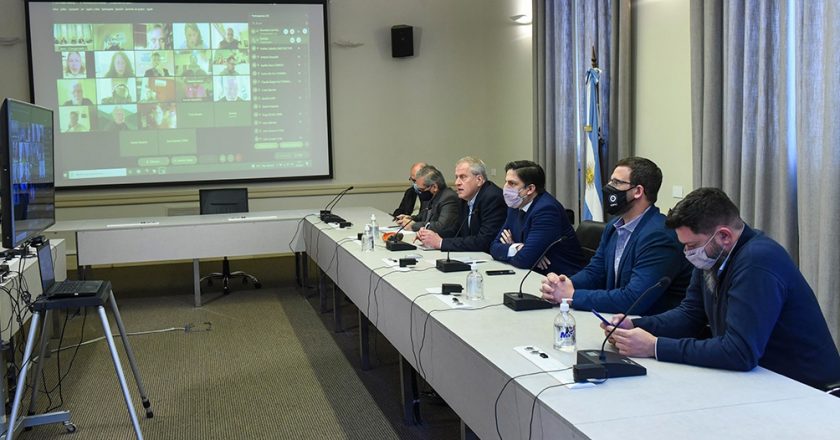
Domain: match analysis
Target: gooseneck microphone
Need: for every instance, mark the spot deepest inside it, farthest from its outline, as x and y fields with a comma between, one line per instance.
x=601, y=364
x=519, y=301
x=326, y=214
x=395, y=243
x=448, y=265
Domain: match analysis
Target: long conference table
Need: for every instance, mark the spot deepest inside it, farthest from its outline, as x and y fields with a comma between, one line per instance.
x=468, y=355
x=187, y=237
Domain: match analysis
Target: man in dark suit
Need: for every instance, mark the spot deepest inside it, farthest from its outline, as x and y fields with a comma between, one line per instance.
x=635, y=252
x=535, y=219
x=482, y=210
x=441, y=214
x=410, y=197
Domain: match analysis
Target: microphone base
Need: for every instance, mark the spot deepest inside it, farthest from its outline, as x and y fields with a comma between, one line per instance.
x=399, y=246
x=520, y=302
x=446, y=265
x=590, y=365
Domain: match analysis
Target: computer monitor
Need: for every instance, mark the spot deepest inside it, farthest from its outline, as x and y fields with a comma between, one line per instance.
x=27, y=180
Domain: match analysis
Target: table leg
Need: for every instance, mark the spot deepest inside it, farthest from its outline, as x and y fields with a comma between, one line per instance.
x=196, y=283
x=337, y=295
x=364, y=340
x=409, y=393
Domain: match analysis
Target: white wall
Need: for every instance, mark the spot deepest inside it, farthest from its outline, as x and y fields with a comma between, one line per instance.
x=466, y=91
x=663, y=92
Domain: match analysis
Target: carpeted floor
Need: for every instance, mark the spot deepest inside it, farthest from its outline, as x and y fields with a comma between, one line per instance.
x=269, y=367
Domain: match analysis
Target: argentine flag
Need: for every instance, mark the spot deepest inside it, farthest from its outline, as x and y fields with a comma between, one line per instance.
x=593, y=204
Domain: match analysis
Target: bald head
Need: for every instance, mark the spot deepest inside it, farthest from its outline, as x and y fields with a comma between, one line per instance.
x=414, y=169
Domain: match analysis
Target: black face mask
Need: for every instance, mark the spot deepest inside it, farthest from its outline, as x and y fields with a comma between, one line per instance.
x=425, y=196
x=615, y=200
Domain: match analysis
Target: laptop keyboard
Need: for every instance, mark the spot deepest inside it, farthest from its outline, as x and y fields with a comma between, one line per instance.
x=72, y=286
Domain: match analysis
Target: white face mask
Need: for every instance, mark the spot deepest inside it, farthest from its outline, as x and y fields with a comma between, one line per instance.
x=512, y=197
x=699, y=258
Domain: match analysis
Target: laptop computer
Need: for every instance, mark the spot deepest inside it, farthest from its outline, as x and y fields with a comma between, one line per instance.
x=61, y=289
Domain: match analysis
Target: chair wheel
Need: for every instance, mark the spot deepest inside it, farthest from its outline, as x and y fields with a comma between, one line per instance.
x=70, y=427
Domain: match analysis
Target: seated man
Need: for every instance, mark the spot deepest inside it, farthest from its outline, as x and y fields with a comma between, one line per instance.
x=535, y=220
x=636, y=251
x=482, y=211
x=410, y=197
x=747, y=290
x=441, y=213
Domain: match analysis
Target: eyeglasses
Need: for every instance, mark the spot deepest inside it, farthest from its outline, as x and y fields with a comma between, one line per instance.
x=616, y=182
x=412, y=180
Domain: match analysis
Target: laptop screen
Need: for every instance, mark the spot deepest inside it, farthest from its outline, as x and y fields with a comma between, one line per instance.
x=45, y=264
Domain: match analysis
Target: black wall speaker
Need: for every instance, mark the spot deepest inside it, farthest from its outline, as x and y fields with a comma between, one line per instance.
x=402, y=41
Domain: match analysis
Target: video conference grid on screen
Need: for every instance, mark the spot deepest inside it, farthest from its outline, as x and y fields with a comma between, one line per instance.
x=240, y=93
x=30, y=162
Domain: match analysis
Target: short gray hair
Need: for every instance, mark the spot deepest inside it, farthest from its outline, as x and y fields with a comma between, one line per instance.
x=477, y=166
x=431, y=176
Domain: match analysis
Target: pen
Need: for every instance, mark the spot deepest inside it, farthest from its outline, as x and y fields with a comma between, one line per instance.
x=604, y=320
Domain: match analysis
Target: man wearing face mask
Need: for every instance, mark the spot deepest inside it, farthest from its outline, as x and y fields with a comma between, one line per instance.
x=635, y=252
x=440, y=214
x=535, y=220
x=409, y=200
x=749, y=293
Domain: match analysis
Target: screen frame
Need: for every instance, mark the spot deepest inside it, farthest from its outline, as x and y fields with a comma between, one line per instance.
x=7, y=222
x=111, y=186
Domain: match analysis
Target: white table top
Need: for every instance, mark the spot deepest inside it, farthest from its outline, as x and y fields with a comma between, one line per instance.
x=671, y=400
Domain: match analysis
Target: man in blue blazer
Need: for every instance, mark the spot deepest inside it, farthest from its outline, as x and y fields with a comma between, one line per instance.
x=482, y=211
x=535, y=220
x=747, y=291
x=635, y=252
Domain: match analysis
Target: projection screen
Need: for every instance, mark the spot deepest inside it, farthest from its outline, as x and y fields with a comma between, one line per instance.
x=168, y=93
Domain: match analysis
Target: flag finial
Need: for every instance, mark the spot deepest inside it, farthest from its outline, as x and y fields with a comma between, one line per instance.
x=594, y=58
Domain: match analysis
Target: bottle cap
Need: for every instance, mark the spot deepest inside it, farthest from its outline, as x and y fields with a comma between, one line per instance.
x=564, y=306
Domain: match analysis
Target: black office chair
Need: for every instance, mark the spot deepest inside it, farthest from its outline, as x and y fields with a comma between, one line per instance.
x=589, y=235
x=225, y=201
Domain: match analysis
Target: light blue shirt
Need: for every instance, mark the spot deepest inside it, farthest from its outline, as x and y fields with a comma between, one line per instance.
x=624, y=231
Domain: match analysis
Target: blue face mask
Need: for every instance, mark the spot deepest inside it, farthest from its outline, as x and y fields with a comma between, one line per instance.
x=416, y=190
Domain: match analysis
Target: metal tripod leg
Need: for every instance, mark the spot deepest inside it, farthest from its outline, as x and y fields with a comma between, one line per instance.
x=131, y=360
x=106, y=328
x=42, y=419
x=45, y=328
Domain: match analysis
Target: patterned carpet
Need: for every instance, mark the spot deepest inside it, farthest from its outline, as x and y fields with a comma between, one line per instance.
x=268, y=368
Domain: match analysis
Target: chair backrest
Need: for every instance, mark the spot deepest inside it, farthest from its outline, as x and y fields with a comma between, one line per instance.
x=589, y=235
x=571, y=215
x=223, y=200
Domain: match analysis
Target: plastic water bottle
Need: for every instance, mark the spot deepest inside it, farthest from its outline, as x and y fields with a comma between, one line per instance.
x=475, y=284
x=564, y=328
x=374, y=228
x=367, y=240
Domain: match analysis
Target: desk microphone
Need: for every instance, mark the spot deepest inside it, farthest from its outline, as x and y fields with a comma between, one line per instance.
x=326, y=214
x=395, y=243
x=449, y=265
x=519, y=301
x=600, y=364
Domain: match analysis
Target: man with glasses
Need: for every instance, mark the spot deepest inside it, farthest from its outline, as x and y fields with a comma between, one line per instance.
x=747, y=291
x=535, y=220
x=635, y=252
x=441, y=212
x=409, y=200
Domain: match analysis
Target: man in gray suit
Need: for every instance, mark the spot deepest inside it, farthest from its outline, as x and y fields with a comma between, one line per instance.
x=441, y=212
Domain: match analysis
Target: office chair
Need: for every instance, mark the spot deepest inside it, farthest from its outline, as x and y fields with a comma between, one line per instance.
x=589, y=235
x=225, y=201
